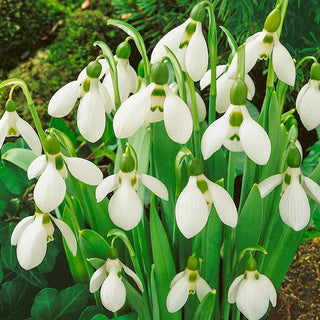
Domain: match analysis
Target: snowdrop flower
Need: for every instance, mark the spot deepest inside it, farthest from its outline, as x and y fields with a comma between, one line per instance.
x=95, y=102
x=187, y=43
x=237, y=131
x=261, y=44
x=50, y=189
x=225, y=80
x=294, y=205
x=125, y=206
x=154, y=103
x=308, y=100
x=12, y=125
x=32, y=234
x=194, y=202
x=252, y=292
x=127, y=77
x=108, y=277
x=185, y=283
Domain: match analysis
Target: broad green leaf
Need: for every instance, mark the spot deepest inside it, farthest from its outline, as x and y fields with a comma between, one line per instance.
x=47, y=304
x=33, y=276
x=8, y=252
x=93, y=245
x=19, y=157
x=100, y=317
x=89, y=312
x=49, y=261
x=205, y=308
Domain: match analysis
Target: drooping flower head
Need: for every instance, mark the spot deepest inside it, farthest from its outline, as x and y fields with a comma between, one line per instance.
x=252, y=292
x=196, y=199
x=52, y=167
x=108, y=277
x=32, y=234
x=12, y=125
x=154, y=103
x=125, y=206
x=187, y=43
x=185, y=283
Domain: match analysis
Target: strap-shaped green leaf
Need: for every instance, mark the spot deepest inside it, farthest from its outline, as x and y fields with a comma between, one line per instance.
x=205, y=308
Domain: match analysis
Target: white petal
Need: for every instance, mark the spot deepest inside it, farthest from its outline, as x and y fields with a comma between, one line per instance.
x=106, y=186
x=254, y=139
x=196, y=58
x=177, y=118
x=125, y=206
x=67, y=234
x=206, y=79
x=233, y=290
x=269, y=290
x=113, y=293
x=133, y=79
x=202, y=288
x=3, y=128
x=283, y=64
x=20, y=227
x=267, y=185
x=84, y=170
x=50, y=189
x=226, y=209
x=106, y=99
x=37, y=166
x=294, y=206
x=191, y=209
x=312, y=189
x=130, y=273
x=251, y=88
x=224, y=84
x=301, y=94
x=202, y=110
x=97, y=278
x=64, y=99
x=176, y=278
x=155, y=185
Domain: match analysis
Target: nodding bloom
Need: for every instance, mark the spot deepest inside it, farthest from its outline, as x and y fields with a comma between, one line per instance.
x=155, y=103
x=308, y=100
x=12, y=125
x=185, y=283
x=252, y=292
x=262, y=44
x=237, y=131
x=125, y=206
x=187, y=43
x=32, y=234
x=108, y=277
x=95, y=102
x=52, y=167
x=195, y=201
x=294, y=206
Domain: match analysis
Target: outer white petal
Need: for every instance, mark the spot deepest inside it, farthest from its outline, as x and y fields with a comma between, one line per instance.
x=155, y=185
x=50, y=189
x=312, y=189
x=254, y=139
x=106, y=186
x=64, y=99
x=206, y=79
x=125, y=206
x=97, y=278
x=267, y=185
x=250, y=84
x=301, y=94
x=224, y=204
x=233, y=290
x=133, y=79
x=196, y=58
x=130, y=273
x=84, y=170
x=37, y=166
x=294, y=206
x=202, y=110
x=177, y=117
x=3, y=128
x=283, y=64
x=268, y=288
x=106, y=99
x=20, y=227
x=176, y=278
x=202, y=288
x=191, y=209
x=178, y=294
x=224, y=84
x=113, y=293
x=67, y=234
x=132, y=113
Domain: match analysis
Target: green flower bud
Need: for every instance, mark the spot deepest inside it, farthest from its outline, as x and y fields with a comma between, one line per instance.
x=192, y=263
x=159, y=73
x=292, y=121
x=272, y=21
x=52, y=145
x=94, y=69
x=123, y=50
x=251, y=264
x=141, y=69
x=10, y=106
x=294, y=157
x=127, y=163
x=112, y=253
x=238, y=93
x=315, y=71
x=195, y=167
x=198, y=13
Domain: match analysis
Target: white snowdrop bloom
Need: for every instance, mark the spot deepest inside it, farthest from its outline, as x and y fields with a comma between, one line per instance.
x=12, y=125
x=50, y=189
x=125, y=206
x=252, y=292
x=308, y=100
x=294, y=205
x=108, y=277
x=187, y=43
x=185, y=283
x=225, y=80
x=95, y=102
x=262, y=44
x=194, y=202
x=155, y=103
x=32, y=234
